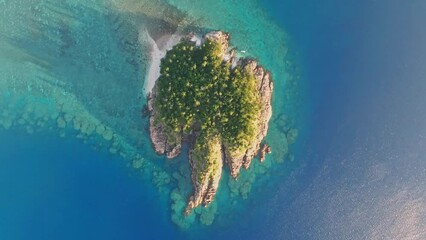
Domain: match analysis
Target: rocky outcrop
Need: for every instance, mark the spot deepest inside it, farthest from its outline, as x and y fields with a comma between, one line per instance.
x=206, y=174
x=236, y=160
x=163, y=142
x=264, y=149
x=221, y=38
x=265, y=85
x=204, y=180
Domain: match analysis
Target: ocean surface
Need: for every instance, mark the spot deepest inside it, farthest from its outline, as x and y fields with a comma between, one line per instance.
x=348, y=132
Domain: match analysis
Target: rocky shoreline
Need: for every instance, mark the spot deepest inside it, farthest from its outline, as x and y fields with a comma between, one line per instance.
x=169, y=144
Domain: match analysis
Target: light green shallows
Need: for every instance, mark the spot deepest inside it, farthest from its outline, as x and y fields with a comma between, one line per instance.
x=77, y=68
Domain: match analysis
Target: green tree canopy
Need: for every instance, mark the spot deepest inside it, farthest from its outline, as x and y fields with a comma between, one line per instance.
x=197, y=89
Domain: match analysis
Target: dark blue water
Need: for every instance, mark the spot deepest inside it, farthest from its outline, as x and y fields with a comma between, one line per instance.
x=360, y=173
x=364, y=169
x=54, y=188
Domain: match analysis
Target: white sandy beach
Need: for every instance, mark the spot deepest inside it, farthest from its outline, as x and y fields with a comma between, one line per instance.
x=158, y=51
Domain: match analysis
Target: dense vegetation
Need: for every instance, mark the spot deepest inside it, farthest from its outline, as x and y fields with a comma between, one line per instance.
x=207, y=156
x=198, y=90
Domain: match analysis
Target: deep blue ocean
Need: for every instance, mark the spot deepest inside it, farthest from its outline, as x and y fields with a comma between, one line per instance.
x=359, y=170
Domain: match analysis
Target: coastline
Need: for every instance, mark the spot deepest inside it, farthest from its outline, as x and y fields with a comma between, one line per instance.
x=205, y=174
x=134, y=154
x=159, y=49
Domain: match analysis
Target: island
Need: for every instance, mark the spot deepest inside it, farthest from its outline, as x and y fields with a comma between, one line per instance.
x=217, y=103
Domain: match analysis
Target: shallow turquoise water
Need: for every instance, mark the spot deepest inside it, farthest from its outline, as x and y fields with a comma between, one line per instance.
x=76, y=163
x=76, y=70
